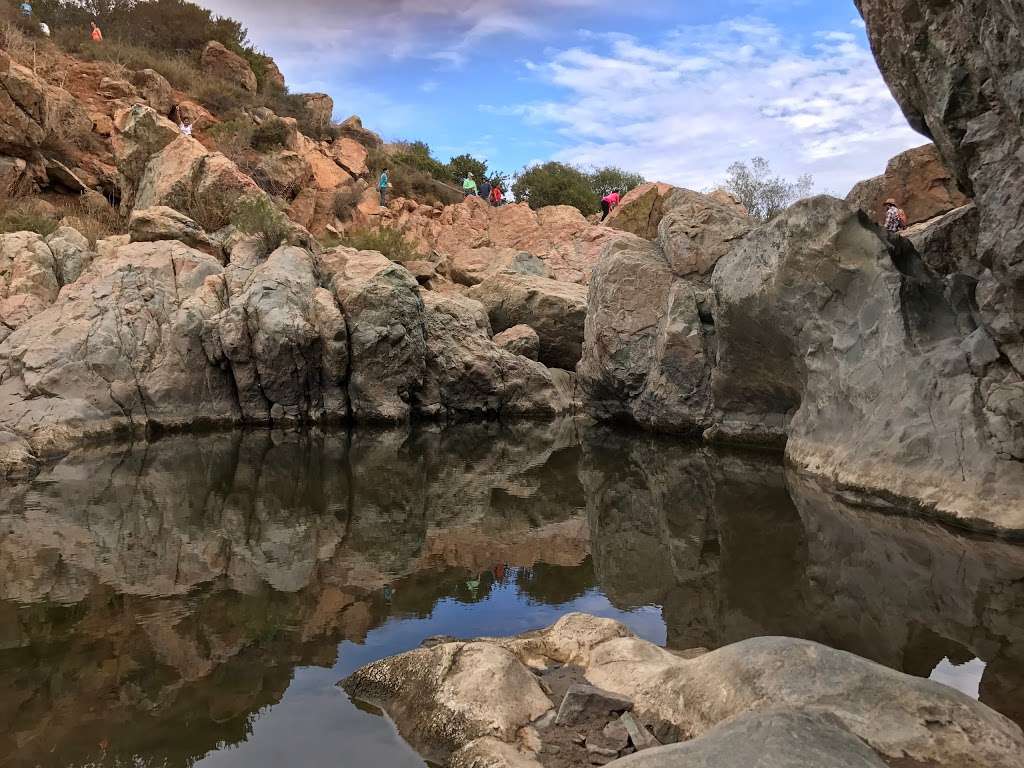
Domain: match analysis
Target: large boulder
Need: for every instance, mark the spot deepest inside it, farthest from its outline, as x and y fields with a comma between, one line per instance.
x=555, y=310
x=918, y=180
x=468, y=373
x=186, y=176
x=520, y=340
x=121, y=350
x=29, y=278
x=72, y=253
x=284, y=173
x=955, y=69
x=697, y=230
x=560, y=235
x=352, y=127
x=350, y=155
x=286, y=343
x=472, y=266
x=228, y=65
x=319, y=110
x=384, y=316
x=13, y=176
x=140, y=133
x=32, y=111
x=155, y=89
x=780, y=700
x=147, y=225
x=273, y=77
x=640, y=210
x=844, y=340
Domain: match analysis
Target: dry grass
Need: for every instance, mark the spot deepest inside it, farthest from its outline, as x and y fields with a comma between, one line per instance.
x=387, y=241
x=26, y=215
x=94, y=218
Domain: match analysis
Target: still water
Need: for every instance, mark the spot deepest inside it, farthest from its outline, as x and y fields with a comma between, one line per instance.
x=195, y=601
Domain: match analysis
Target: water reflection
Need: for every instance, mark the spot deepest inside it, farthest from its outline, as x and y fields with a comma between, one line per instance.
x=195, y=600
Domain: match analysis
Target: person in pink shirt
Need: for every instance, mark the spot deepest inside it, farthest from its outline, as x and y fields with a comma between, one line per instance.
x=608, y=203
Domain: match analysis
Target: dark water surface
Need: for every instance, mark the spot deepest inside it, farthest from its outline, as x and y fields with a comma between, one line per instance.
x=194, y=601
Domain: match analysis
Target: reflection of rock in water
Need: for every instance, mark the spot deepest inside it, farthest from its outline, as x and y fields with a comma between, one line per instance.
x=165, y=593
x=732, y=547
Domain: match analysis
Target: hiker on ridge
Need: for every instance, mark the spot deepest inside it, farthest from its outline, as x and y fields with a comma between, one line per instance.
x=609, y=202
x=497, y=196
x=382, y=186
x=97, y=33
x=469, y=186
x=485, y=189
x=895, y=217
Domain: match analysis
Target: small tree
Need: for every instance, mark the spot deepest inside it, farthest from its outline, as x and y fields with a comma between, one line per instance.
x=763, y=194
x=459, y=167
x=555, y=184
x=605, y=180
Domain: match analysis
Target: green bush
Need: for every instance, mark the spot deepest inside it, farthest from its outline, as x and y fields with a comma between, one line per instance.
x=556, y=184
x=256, y=215
x=605, y=180
x=270, y=134
x=387, y=241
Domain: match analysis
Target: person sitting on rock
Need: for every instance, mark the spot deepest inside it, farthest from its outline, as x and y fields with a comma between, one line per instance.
x=185, y=127
x=609, y=202
x=97, y=33
x=497, y=196
x=895, y=217
x=382, y=186
x=469, y=186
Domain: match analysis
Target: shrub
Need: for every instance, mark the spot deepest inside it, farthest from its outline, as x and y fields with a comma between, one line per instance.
x=387, y=241
x=764, y=194
x=26, y=215
x=270, y=134
x=256, y=215
x=605, y=180
x=345, y=202
x=556, y=184
x=460, y=166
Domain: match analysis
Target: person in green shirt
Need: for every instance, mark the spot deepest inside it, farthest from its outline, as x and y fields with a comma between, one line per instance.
x=382, y=186
x=469, y=186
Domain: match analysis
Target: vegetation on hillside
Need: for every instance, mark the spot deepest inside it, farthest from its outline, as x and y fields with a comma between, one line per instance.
x=556, y=183
x=764, y=194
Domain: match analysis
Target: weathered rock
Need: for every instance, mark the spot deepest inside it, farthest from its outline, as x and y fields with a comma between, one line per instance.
x=385, y=319
x=185, y=176
x=489, y=752
x=284, y=173
x=121, y=349
x=227, y=65
x=319, y=109
x=697, y=230
x=32, y=110
x=17, y=461
x=821, y=325
x=949, y=243
x=446, y=697
x=519, y=340
x=113, y=88
x=140, y=134
x=63, y=177
x=473, y=266
x=779, y=739
x=327, y=174
x=919, y=182
x=148, y=225
x=72, y=254
x=350, y=155
x=273, y=77
x=467, y=373
x=155, y=89
x=647, y=353
x=13, y=177
x=28, y=278
x=286, y=342
x=352, y=127
x=555, y=310
x=639, y=736
x=583, y=703
x=559, y=236
x=640, y=210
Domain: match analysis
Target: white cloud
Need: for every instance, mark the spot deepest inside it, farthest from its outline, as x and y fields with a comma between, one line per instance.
x=705, y=96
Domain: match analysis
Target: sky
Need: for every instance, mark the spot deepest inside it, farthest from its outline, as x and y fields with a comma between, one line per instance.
x=675, y=89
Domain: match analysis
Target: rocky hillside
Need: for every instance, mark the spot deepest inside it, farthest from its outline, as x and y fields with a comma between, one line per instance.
x=891, y=367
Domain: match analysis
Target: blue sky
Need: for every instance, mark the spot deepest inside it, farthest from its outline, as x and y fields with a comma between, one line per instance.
x=674, y=89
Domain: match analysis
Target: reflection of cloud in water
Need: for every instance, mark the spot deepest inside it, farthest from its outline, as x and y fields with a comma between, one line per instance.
x=966, y=678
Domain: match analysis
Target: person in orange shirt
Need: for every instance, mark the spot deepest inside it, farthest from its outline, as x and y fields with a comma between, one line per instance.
x=496, y=196
x=97, y=34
